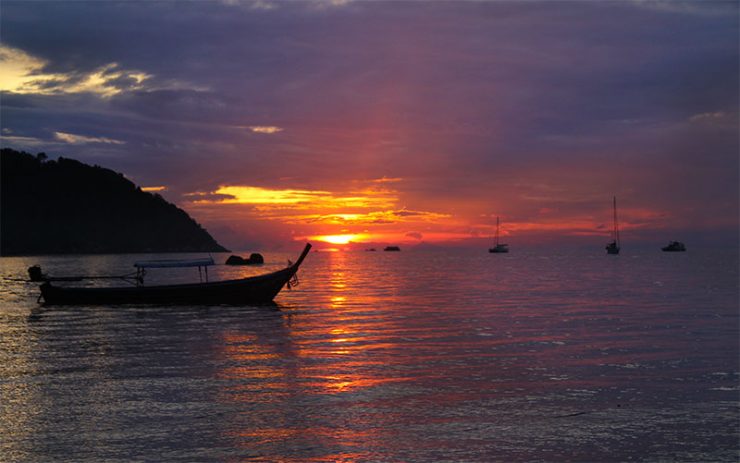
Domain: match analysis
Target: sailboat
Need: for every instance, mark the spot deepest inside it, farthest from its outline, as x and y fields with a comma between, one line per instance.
x=498, y=247
x=613, y=247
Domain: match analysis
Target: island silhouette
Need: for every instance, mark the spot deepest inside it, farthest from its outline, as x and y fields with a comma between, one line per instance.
x=65, y=206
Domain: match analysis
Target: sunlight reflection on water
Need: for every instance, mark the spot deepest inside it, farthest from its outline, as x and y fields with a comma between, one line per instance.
x=411, y=356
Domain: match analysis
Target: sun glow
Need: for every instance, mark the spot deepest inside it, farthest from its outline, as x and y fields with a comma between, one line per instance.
x=368, y=212
x=341, y=239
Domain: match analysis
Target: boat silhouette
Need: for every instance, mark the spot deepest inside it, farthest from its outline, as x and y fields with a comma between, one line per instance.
x=614, y=246
x=259, y=289
x=498, y=247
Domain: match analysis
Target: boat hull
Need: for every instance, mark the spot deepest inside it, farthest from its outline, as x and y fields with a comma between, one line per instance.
x=254, y=290
x=259, y=289
x=612, y=248
x=499, y=248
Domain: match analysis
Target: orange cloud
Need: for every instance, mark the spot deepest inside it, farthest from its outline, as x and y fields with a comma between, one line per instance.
x=266, y=199
x=369, y=213
x=154, y=188
x=256, y=195
x=266, y=129
x=370, y=218
x=374, y=211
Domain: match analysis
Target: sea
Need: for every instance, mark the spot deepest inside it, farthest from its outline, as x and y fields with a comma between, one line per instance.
x=411, y=356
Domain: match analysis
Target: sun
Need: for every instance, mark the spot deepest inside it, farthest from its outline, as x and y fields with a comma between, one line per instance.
x=339, y=239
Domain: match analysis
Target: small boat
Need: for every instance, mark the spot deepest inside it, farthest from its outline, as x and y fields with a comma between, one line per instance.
x=392, y=248
x=259, y=289
x=498, y=247
x=674, y=246
x=613, y=247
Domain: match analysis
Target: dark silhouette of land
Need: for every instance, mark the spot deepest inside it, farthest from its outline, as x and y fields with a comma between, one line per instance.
x=68, y=207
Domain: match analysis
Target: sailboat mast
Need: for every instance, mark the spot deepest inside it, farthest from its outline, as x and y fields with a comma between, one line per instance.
x=496, y=240
x=616, y=226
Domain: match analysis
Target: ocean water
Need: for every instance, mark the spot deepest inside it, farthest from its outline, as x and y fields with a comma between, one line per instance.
x=417, y=356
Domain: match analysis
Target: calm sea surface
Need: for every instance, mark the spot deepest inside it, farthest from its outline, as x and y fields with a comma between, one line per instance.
x=386, y=357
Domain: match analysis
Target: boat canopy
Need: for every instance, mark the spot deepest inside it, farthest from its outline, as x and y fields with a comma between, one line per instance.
x=164, y=263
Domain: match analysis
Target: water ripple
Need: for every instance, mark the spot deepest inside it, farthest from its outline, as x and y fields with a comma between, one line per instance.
x=412, y=356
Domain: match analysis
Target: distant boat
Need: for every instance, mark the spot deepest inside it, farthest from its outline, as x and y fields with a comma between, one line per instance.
x=498, y=247
x=674, y=246
x=252, y=290
x=613, y=247
x=392, y=248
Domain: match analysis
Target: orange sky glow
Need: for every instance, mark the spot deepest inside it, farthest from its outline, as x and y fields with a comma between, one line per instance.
x=355, y=125
x=375, y=212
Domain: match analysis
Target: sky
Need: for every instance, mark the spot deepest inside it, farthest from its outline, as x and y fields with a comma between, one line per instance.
x=358, y=123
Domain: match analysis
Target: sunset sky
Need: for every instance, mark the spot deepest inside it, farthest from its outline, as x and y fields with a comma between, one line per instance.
x=273, y=123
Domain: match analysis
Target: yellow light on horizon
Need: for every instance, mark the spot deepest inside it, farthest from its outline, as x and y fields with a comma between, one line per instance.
x=340, y=239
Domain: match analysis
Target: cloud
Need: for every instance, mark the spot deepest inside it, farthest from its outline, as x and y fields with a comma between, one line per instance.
x=688, y=6
x=24, y=73
x=16, y=141
x=82, y=139
x=267, y=5
x=154, y=188
x=265, y=197
x=266, y=129
x=16, y=68
x=257, y=195
x=415, y=235
x=423, y=116
x=708, y=116
x=362, y=215
x=381, y=217
x=387, y=180
x=717, y=119
x=262, y=5
x=201, y=197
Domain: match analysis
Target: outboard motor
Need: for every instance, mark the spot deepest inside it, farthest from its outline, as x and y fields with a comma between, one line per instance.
x=34, y=272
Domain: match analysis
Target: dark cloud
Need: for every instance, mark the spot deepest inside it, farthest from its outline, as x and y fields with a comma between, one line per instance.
x=471, y=103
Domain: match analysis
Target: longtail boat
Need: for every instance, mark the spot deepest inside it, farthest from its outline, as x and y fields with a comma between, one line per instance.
x=253, y=290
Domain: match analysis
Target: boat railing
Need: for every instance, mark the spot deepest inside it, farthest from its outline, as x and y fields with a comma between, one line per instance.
x=202, y=265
